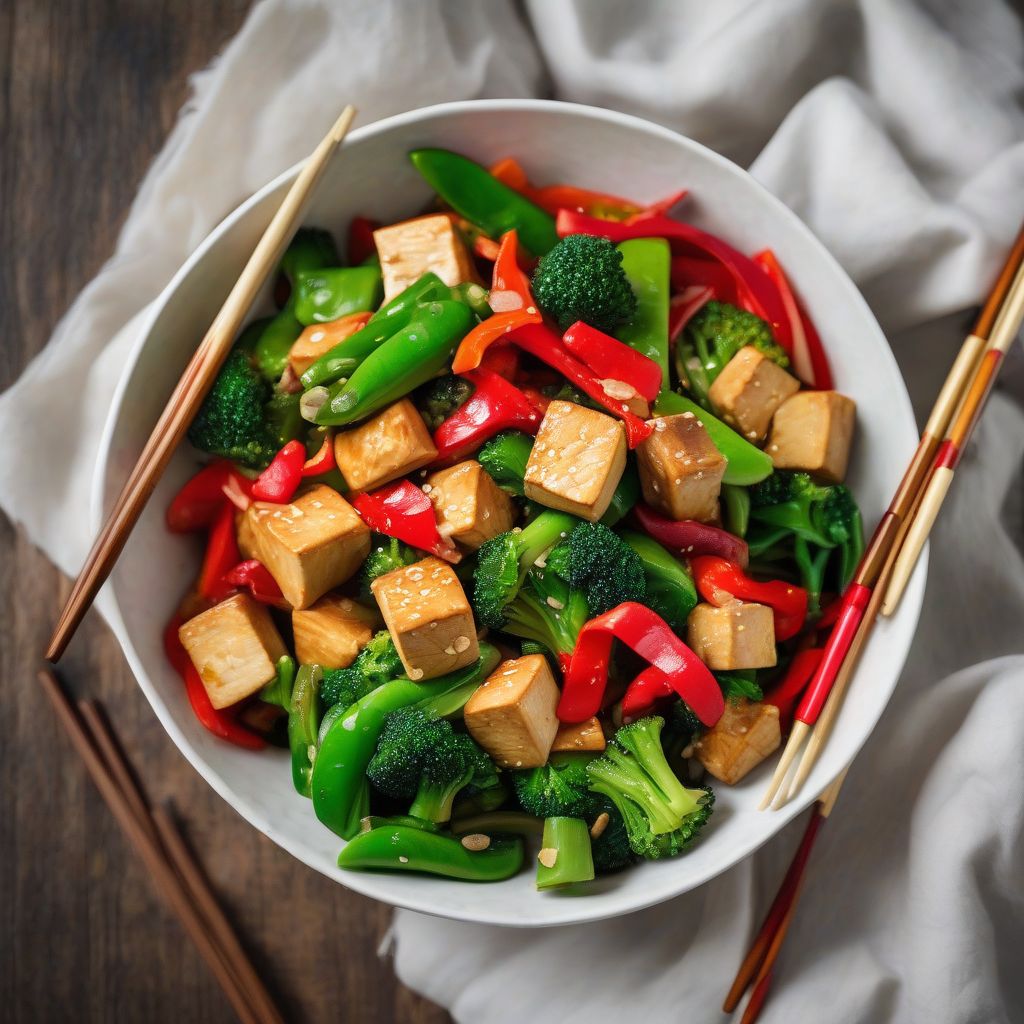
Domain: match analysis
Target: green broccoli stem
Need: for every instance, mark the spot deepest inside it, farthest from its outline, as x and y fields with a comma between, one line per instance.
x=565, y=857
x=433, y=801
x=547, y=530
x=532, y=617
x=811, y=566
x=851, y=551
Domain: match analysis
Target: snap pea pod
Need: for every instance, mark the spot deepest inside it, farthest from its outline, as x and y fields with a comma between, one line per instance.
x=325, y=294
x=406, y=360
x=475, y=296
x=746, y=464
x=646, y=262
x=474, y=193
x=310, y=248
x=402, y=848
x=372, y=821
x=342, y=360
x=348, y=737
x=736, y=509
x=279, y=690
x=303, y=725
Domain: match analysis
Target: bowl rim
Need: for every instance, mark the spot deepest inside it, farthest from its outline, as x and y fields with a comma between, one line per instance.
x=365, y=883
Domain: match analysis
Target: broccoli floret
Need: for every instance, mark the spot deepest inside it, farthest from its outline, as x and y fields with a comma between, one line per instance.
x=232, y=421
x=712, y=337
x=582, y=278
x=386, y=553
x=376, y=664
x=662, y=816
x=504, y=457
x=423, y=759
x=670, y=588
x=598, y=562
x=440, y=397
x=547, y=611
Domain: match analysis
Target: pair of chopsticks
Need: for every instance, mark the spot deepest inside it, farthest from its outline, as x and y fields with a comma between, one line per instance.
x=899, y=538
x=168, y=860
x=195, y=382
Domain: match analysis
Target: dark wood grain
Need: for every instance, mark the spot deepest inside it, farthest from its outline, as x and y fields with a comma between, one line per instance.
x=88, y=92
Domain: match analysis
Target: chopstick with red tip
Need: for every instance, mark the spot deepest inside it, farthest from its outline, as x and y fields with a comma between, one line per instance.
x=858, y=609
x=756, y=970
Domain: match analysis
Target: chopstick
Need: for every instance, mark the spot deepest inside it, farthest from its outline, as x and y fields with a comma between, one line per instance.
x=757, y=966
x=164, y=853
x=191, y=389
x=863, y=597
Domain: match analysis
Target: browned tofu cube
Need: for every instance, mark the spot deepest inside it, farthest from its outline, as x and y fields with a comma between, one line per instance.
x=813, y=431
x=681, y=470
x=408, y=250
x=318, y=339
x=737, y=635
x=749, y=390
x=310, y=546
x=470, y=507
x=387, y=446
x=512, y=715
x=577, y=460
x=331, y=632
x=584, y=736
x=429, y=618
x=234, y=646
x=741, y=739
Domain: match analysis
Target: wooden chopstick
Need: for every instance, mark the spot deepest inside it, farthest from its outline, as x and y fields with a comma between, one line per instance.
x=94, y=740
x=195, y=382
x=860, y=607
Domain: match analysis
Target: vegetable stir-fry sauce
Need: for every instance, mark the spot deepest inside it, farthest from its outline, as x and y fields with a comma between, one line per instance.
x=525, y=525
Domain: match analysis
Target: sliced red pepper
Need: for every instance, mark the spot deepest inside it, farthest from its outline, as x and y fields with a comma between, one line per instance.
x=255, y=577
x=754, y=290
x=495, y=405
x=800, y=672
x=648, y=635
x=502, y=359
x=222, y=554
x=323, y=461
x=361, y=245
x=403, y=511
x=541, y=342
x=610, y=359
x=809, y=361
x=687, y=537
x=238, y=491
x=688, y=272
x=280, y=480
x=682, y=308
x=196, y=505
x=644, y=693
x=659, y=208
x=509, y=171
x=720, y=582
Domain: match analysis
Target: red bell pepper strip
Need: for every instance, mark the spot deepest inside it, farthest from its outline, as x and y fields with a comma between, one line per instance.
x=755, y=291
x=361, y=245
x=323, y=461
x=544, y=344
x=255, y=577
x=648, y=635
x=280, y=480
x=220, y=723
x=684, y=306
x=688, y=272
x=800, y=672
x=222, y=554
x=196, y=505
x=659, y=208
x=512, y=302
x=644, y=693
x=403, y=511
x=810, y=363
x=238, y=491
x=720, y=582
x=502, y=359
x=610, y=359
x=688, y=538
x=495, y=405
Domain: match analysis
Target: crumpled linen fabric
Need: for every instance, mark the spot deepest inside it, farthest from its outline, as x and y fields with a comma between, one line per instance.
x=896, y=130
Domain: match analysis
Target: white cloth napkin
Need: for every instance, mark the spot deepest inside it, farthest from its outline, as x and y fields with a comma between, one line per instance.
x=896, y=131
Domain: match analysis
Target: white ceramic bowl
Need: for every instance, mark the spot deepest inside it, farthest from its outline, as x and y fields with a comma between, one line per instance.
x=556, y=142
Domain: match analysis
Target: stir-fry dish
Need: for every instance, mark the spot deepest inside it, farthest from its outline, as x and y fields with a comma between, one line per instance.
x=524, y=523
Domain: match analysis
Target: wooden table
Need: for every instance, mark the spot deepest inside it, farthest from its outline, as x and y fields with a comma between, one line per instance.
x=90, y=89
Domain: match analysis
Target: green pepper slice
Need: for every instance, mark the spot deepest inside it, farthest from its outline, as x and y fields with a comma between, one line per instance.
x=646, y=262
x=303, y=725
x=330, y=293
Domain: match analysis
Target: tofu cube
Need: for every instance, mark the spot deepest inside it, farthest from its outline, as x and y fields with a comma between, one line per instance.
x=310, y=546
x=741, y=739
x=681, y=470
x=331, y=632
x=408, y=250
x=512, y=715
x=387, y=446
x=577, y=461
x=749, y=390
x=429, y=618
x=234, y=646
x=318, y=339
x=737, y=635
x=812, y=431
x=470, y=507
x=584, y=736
